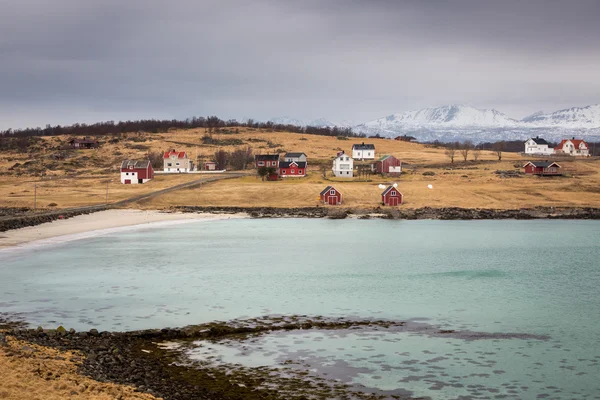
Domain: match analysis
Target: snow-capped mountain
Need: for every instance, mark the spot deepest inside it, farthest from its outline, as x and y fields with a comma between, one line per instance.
x=574, y=117
x=287, y=121
x=460, y=122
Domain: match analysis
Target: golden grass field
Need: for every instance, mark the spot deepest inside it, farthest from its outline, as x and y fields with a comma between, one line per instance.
x=81, y=180
x=31, y=372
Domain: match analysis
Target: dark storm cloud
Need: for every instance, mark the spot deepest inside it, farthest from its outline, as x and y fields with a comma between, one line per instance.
x=70, y=60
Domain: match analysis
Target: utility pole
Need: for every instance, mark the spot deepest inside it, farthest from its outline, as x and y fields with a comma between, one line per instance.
x=34, y=196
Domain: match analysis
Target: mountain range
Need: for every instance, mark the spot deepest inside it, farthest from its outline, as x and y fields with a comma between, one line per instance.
x=461, y=122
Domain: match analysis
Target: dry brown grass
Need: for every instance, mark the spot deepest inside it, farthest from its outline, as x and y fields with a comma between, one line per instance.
x=478, y=187
x=33, y=372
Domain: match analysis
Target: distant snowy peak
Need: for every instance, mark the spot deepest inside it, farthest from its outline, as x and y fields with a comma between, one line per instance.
x=575, y=117
x=287, y=121
x=450, y=115
x=321, y=123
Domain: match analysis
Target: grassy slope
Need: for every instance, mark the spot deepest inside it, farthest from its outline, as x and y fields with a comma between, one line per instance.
x=478, y=187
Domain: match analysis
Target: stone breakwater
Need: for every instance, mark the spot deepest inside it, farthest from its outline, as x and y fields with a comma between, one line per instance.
x=447, y=213
x=147, y=360
x=21, y=219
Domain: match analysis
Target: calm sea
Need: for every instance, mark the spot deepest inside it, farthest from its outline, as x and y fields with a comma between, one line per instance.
x=530, y=277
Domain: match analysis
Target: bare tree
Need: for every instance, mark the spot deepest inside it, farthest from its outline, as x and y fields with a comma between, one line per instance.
x=323, y=168
x=466, y=147
x=451, y=153
x=476, y=153
x=240, y=158
x=221, y=157
x=262, y=172
x=156, y=159
x=498, y=148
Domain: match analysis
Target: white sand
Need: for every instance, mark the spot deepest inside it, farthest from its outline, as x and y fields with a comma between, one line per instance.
x=98, y=223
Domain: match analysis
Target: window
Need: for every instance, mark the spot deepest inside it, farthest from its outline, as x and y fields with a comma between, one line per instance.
x=332, y=192
x=292, y=172
x=283, y=172
x=261, y=163
x=169, y=164
x=126, y=173
x=300, y=172
x=393, y=193
x=347, y=172
x=177, y=164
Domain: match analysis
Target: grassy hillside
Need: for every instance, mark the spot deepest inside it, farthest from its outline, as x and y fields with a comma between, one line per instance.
x=72, y=178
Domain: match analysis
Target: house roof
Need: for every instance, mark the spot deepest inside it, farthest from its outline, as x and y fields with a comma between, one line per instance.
x=576, y=143
x=389, y=188
x=541, y=164
x=266, y=157
x=84, y=141
x=383, y=158
x=328, y=188
x=539, y=140
x=363, y=146
x=286, y=164
x=179, y=154
x=141, y=164
x=294, y=155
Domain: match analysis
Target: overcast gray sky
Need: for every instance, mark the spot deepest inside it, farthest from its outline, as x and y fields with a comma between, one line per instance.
x=65, y=61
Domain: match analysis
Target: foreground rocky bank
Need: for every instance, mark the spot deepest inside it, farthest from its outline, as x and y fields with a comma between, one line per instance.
x=152, y=361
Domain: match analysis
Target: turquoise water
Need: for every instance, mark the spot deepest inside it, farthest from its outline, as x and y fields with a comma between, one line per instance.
x=534, y=277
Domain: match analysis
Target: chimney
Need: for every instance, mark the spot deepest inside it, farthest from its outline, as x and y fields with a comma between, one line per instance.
x=573, y=137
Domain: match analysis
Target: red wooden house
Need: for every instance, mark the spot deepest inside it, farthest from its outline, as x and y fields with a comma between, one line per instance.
x=291, y=169
x=388, y=165
x=391, y=196
x=267, y=160
x=331, y=196
x=543, y=168
x=134, y=172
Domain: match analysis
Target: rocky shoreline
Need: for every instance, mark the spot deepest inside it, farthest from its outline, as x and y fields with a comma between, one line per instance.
x=16, y=219
x=446, y=213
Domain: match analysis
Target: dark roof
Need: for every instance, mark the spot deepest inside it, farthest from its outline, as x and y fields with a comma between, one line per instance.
x=388, y=189
x=286, y=164
x=328, y=188
x=266, y=157
x=84, y=140
x=135, y=164
x=539, y=140
x=542, y=164
x=363, y=146
x=294, y=155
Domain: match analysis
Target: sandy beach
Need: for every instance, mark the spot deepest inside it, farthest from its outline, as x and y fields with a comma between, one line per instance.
x=97, y=223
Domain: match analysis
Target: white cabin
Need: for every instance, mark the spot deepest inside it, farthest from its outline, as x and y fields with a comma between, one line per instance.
x=539, y=146
x=363, y=151
x=343, y=166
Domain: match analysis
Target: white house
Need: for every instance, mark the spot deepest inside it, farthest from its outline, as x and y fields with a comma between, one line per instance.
x=177, y=161
x=343, y=166
x=363, y=151
x=538, y=145
x=573, y=147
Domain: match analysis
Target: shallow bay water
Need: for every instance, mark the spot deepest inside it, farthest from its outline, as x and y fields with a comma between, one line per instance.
x=534, y=277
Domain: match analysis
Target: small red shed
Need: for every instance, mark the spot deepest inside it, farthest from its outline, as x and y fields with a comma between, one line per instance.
x=331, y=196
x=388, y=165
x=391, y=196
x=210, y=166
x=543, y=168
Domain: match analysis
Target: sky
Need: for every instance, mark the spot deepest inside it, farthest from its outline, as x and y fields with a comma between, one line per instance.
x=67, y=61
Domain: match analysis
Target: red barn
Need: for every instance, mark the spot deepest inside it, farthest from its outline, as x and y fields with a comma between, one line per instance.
x=293, y=168
x=133, y=172
x=331, y=196
x=391, y=196
x=388, y=165
x=543, y=168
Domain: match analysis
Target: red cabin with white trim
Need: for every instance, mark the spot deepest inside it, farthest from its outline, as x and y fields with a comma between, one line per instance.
x=331, y=196
x=391, y=196
x=291, y=169
x=135, y=172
